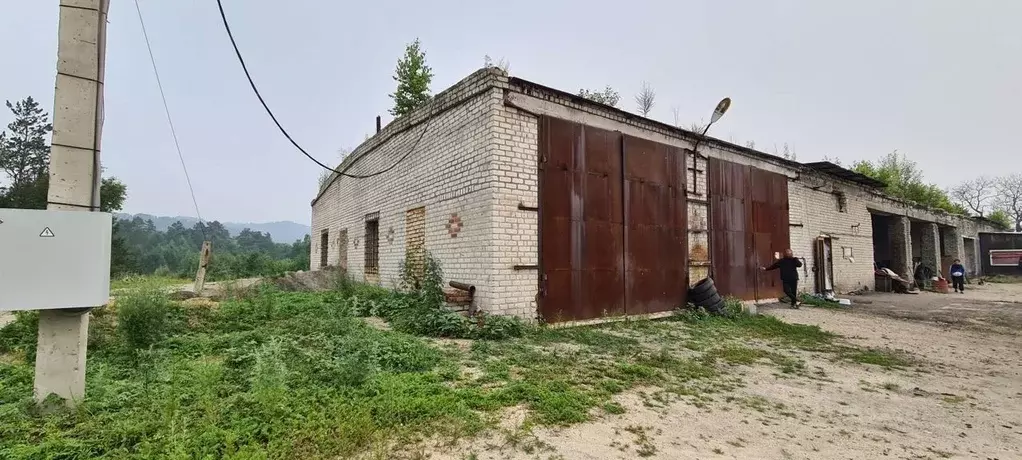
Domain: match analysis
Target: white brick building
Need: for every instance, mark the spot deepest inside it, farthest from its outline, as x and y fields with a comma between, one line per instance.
x=464, y=179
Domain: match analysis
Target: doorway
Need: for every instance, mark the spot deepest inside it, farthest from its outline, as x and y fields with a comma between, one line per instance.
x=324, y=248
x=971, y=267
x=823, y=264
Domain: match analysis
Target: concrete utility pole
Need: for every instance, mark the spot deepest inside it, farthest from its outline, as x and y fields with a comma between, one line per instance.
x=200, y=274
x=74, y=180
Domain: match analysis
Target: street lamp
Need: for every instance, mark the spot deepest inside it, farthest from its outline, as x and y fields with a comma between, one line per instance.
x=718, y=112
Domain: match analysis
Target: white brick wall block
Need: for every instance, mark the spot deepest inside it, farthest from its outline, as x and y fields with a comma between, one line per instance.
x=478, y=159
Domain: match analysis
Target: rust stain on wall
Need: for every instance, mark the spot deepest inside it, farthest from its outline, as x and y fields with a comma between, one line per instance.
x=698, y=253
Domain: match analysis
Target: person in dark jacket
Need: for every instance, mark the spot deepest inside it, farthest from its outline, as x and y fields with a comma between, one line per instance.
x=957, y=272
x=789, y=275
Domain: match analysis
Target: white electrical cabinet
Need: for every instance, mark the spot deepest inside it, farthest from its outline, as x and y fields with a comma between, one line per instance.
x=54, y=259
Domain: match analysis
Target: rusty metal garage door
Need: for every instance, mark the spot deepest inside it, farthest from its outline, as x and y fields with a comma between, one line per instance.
x=749, y=223
x=593, y=260
x=656, y=233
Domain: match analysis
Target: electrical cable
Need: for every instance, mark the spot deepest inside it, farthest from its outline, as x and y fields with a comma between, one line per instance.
x=170, y=121
x=251, y=82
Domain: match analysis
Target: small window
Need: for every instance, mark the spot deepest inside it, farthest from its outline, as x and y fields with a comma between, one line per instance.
x=372, y=247
x=324, y=247
x=842, y=202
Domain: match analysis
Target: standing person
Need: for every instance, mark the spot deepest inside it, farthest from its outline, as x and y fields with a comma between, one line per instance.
x=789, y=275
x=958, y=276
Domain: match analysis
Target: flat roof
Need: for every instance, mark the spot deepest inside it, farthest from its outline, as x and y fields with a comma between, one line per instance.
x=706, y=139
x=845, y=173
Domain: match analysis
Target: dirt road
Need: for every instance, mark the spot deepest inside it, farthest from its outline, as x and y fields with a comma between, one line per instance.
x=993, y=307
x=962, y=398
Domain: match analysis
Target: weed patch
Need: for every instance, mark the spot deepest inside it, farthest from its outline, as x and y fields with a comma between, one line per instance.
x=815, y=301
x=419, y=308
x=144, y=316
x=763, y=327
x=276, y=374
x=878, y=357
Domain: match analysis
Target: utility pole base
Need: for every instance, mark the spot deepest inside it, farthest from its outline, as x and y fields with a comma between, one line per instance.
x=60, y=357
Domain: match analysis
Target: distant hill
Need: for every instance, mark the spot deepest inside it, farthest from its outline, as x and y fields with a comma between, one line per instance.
x=280, y=232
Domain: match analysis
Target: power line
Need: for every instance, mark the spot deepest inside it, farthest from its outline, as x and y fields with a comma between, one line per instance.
x=283, y=131
x=170, y=121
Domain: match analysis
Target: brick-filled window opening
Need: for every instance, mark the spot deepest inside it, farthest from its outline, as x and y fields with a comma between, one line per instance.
x=324, y=247
x=842, y=202
x=342, y=249
x=372, y=246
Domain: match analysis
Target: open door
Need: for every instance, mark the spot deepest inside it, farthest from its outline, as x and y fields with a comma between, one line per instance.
x=823, y=264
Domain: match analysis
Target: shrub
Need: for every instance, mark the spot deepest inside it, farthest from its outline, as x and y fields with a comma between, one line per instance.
x=419, y=308
x=733, y=308
x=143, y=317
x=493, y=327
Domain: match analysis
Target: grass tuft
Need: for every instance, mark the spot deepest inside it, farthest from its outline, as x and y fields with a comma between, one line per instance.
x=879, y=357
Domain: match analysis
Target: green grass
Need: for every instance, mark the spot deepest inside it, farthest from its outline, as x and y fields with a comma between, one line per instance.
x=736, y=354
x=878, y=357
x=134, y=282
x=298, y=375
x=716, y=328
x=275, y=374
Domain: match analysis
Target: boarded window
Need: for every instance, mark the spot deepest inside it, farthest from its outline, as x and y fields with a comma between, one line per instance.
x=324, y=247
x=342, y=249
x=372, y=247
x=415, y=243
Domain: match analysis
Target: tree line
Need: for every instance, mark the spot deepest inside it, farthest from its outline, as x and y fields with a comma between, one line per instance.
x=976, y=198
x=137, y=246
x=142, y=249
x=996, y=198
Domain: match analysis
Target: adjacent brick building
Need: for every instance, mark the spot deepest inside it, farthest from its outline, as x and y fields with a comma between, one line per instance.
x=558, y=207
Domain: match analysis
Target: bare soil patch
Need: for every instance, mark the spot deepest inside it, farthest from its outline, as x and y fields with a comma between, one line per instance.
x=959, y=396
x=989, y=307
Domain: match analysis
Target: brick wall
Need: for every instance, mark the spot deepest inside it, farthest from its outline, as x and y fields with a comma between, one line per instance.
x=447, y=173
x=814, y=205
x=516, y=232
x=698, y=225
x=814, y=211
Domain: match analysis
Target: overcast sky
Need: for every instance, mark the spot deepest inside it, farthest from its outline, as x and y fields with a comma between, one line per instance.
x=940, y=81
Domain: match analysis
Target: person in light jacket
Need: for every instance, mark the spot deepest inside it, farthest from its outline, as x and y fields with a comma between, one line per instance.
x=957, y=272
